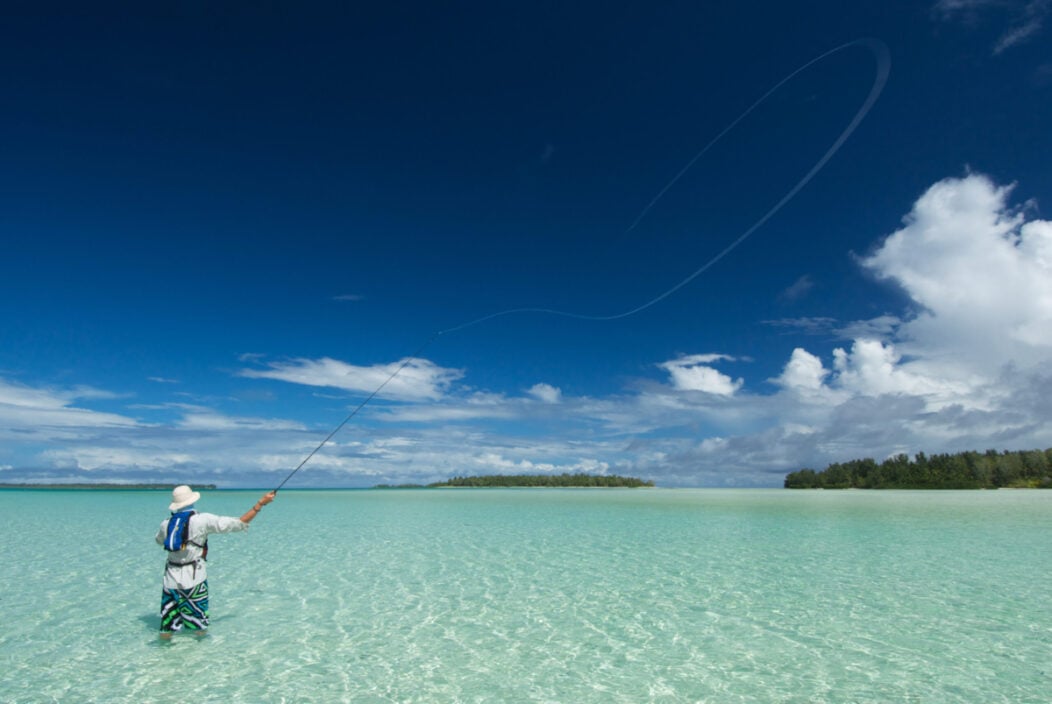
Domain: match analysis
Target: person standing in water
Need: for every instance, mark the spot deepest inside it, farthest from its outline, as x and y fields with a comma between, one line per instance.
x=184, y=596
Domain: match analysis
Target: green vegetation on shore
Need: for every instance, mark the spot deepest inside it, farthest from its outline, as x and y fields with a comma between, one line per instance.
x=532, y=480
x=964, y=470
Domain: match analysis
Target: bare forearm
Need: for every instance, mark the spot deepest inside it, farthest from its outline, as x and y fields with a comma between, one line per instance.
x=251, y=513
x=254, y=511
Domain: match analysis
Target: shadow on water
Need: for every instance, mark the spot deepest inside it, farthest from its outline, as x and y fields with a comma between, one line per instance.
x=152, y=622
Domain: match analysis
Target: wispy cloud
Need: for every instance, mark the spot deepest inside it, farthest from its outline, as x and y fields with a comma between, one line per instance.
x=547, y=153
x=449, y=412
x=966, y=9
x=1021, y=20
x=407, y=379
x=882, y=327
x=41, y=410
x=1027, y=24
x=798, y=289
x=350, y=297
x=817, y=325
x=204, y=419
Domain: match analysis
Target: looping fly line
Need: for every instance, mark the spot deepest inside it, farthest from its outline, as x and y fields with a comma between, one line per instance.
x=882, y=60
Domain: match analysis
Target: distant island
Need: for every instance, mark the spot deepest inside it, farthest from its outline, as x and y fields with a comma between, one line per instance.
x=1023, y=469
x=532, y=480
x=97, y=485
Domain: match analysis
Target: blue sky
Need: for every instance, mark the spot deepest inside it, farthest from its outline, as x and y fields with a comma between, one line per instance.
x=224, y=227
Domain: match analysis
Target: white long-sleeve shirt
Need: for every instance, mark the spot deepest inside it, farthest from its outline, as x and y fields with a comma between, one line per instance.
x=191, y=569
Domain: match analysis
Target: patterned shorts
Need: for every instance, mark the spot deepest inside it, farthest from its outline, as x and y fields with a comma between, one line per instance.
x=184, y=608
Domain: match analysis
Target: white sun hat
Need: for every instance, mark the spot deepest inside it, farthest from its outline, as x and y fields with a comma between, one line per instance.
x=183, y=496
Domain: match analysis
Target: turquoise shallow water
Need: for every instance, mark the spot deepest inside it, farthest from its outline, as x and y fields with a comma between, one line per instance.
x=539, y=596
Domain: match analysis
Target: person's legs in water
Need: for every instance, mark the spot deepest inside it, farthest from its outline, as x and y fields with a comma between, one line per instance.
x=184, y=609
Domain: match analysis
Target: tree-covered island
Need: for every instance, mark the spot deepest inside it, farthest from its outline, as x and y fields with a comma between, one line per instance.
x=964, y=470
x=532, y=480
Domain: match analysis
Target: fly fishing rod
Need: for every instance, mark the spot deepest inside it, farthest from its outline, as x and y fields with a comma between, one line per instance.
x=882, y=60
x=405, y=363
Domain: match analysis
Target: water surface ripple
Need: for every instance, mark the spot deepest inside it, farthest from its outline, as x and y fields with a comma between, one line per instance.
x=539, y=595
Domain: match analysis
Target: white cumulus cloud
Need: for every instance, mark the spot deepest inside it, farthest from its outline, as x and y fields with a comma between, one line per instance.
x=693, y=373
x=804, y=371
x=965, y=369
x=981, y=273
x=967, y=365
x=545, y=392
